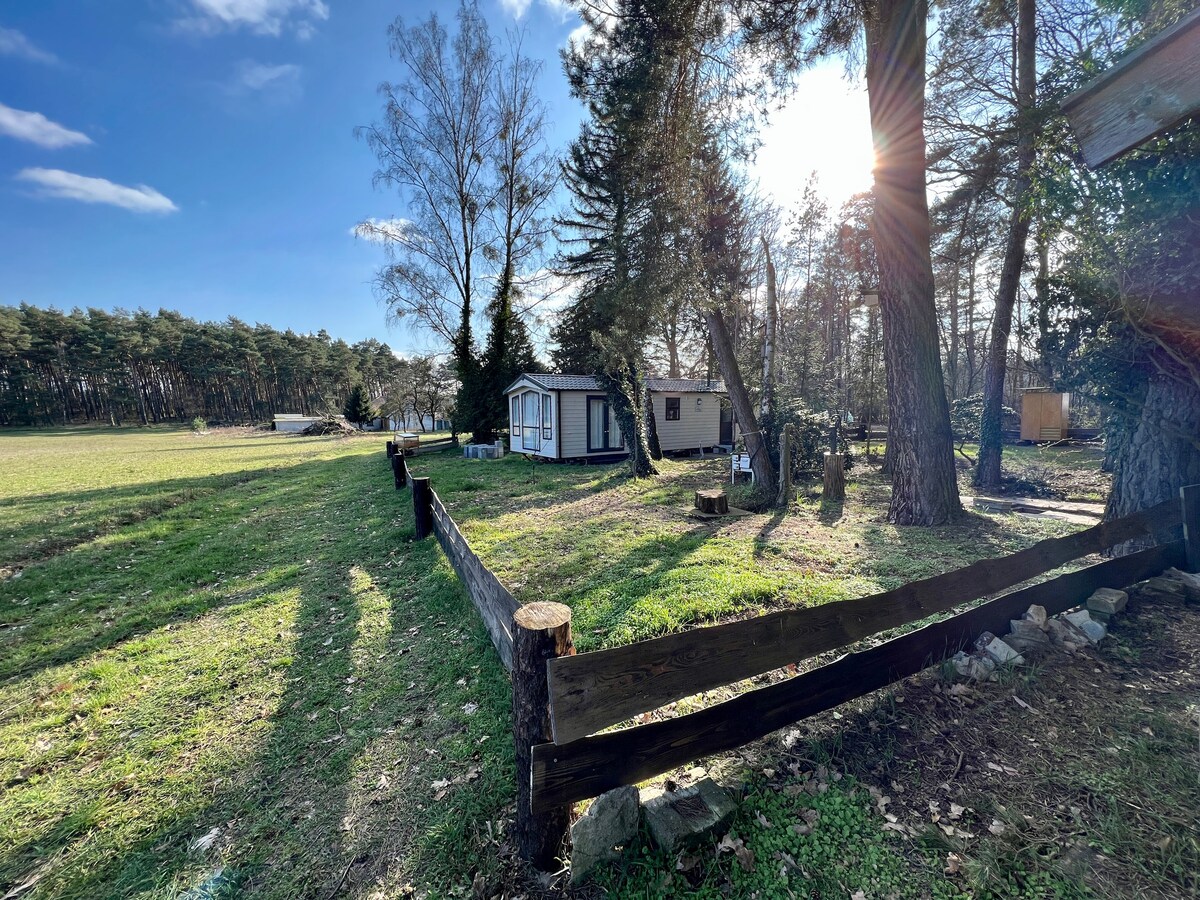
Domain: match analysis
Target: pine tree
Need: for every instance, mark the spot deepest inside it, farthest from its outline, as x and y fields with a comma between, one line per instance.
x=358, y=409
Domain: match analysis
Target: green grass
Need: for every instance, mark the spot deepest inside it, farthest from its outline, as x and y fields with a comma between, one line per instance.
x=235, y=631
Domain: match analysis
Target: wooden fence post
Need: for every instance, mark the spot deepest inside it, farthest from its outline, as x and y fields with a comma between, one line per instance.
x=834, y=489
x=541, y=632
x=1189, y=496
x=785, y=466
x=422, y=495
x=399, y=470
x=391, y=449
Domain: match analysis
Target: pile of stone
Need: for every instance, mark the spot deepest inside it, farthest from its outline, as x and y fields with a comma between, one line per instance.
x=675, y=819
x=1036, y=632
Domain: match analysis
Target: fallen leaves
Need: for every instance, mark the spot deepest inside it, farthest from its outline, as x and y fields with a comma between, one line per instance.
x=745, y=856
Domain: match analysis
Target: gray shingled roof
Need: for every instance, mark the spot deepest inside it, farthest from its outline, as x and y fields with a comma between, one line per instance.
x=553, y=382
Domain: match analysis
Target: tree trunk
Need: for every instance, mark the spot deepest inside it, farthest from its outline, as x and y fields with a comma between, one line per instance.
x=991, y=435
x=652, y=428
x=767, y=405
x=624, y=394
x=739, y=398
x=924, y=486
x=1161, y=453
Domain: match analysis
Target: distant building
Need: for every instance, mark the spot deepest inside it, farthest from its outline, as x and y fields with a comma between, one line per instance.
x=293, y=423
x=568, y=416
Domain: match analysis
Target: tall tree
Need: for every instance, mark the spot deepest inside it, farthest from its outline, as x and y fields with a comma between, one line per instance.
x=991, y=434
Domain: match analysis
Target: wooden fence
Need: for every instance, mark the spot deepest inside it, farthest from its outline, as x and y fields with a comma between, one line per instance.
x=562, y=705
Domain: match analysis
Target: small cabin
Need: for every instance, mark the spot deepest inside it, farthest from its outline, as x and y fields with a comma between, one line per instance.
x=1045, y=415
x=568, y=416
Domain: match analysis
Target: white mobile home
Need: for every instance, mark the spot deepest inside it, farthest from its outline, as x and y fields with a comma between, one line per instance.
x=568, y=416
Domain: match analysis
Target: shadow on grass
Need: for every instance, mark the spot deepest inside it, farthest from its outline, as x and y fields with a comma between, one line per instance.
x=388, y=654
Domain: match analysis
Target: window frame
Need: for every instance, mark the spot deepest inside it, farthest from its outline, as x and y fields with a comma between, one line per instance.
x=609, y=420
x=678, y=401
x=514, y=416
x=547, y=418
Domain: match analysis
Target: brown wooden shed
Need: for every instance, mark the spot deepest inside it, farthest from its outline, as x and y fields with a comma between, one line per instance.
x=1045, y=415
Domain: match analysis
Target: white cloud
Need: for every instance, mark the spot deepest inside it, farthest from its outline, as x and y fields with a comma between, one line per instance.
x=268, y=17
x=37, y=129
x=380, y=231
x=560, y=8
x=13, y=43
x=282, y=82
x=516, y=8
x=69, y=186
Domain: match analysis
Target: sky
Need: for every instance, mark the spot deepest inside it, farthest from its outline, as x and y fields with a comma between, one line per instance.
x=199, y=155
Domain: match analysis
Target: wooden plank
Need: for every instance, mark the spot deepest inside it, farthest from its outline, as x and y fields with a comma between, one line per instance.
x=587, y=767
x=1152, y=89
x=591, y=691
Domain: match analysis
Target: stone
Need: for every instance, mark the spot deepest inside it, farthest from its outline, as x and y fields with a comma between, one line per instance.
x=610, y=822
x=682, y=817
x=1037, y=615
x=1001, y=653
x=1065, y=635
x=978, y=667
x=1107, y=601
x=1190, y=582
x=1093, y=630
x=1027, y=630
x=1160, y=588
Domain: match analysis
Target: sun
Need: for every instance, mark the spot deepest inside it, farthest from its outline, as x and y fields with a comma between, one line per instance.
x=825, y=128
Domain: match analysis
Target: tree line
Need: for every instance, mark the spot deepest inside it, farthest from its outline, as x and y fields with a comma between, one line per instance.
x=148, y=368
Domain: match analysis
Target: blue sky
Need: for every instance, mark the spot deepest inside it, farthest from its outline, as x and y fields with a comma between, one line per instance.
x=198, y=154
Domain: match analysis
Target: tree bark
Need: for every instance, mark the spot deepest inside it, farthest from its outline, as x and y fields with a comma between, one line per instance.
x=768, y=353
x=1161, y=452
x=991, y=435
x=920, y=444
x=739, y=397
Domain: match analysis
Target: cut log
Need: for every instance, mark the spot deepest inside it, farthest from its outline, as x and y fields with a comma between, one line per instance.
x=834, y=490
x=541, y=632
x=713, y=502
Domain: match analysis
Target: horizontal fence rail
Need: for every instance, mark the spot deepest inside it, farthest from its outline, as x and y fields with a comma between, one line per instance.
x=591, y=691
x=563, y=773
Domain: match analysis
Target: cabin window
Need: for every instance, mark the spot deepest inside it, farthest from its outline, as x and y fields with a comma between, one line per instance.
x=531, y=414
x=514, y=418
x=547, y=418
x=672, y=409
x=603, y=433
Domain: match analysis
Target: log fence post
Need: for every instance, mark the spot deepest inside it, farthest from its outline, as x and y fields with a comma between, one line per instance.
x=1189, y=496
x=422, y=495
x=399, y=470
x=541, y=632
x=834, y=488
x=391, y=449
x=785, y=466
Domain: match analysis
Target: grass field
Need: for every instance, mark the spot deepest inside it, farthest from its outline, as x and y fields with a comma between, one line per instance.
x=224, y=663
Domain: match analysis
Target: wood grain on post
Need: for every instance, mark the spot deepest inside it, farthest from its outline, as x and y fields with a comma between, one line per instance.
x=399, y=469
x=422, y=495
x=541, y=632
x=834, y=489
x=1189, y=496
x=785, y=466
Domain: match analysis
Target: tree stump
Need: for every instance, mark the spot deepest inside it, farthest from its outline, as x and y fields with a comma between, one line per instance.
x=714, y=502
x=541, y=632
x=834, y=490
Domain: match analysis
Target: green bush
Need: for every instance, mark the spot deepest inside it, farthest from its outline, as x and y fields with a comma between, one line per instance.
x=198, y=424
x=810, y=437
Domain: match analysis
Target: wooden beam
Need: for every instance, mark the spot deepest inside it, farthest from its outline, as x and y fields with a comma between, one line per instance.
x=1152, y=89
x=589, y=766
x=592, y=691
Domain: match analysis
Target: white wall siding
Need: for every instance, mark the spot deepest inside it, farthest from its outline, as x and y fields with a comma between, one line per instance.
x=695, y=427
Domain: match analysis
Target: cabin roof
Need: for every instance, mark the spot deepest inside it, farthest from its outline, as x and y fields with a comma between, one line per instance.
x=555, y=382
